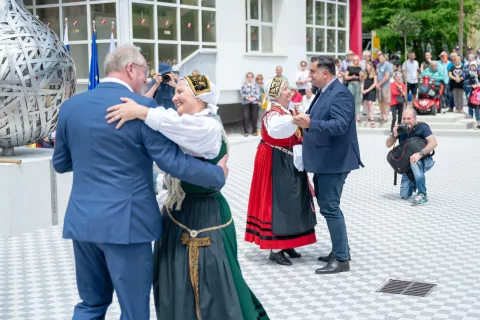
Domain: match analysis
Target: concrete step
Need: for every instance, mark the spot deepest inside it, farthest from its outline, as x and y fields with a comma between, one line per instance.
x=439, y=118
x=436, y=132
x=464, y=124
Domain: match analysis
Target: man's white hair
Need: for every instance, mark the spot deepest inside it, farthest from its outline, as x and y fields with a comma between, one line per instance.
x=118, y=60
x=365, y=53
x=433, y=63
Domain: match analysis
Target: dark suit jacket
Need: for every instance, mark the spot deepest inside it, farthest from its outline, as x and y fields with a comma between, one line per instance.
x=112, y=198
x=330, y=145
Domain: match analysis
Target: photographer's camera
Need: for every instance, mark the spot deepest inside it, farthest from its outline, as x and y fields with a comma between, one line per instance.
x=402, y=128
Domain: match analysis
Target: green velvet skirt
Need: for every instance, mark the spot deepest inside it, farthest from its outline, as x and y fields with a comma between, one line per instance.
x=223, y=292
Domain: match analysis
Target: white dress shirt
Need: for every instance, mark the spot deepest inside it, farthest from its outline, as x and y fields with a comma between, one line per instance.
x=281, y=127
x=199, y=135
x=123, y=83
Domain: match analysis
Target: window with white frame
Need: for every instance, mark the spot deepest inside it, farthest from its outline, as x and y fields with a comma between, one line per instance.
x=165, y=30
x=327, y=25
x=259, y=26
x=172, y=30
x=53, y=13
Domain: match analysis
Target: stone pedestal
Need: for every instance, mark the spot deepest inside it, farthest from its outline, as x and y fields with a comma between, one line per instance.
x=32, y=195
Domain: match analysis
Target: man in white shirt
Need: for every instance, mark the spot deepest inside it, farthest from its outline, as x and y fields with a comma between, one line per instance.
x=410, y=74
x=367, y=57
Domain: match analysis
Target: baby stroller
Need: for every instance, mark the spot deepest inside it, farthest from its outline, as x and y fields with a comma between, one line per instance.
x=429, y=96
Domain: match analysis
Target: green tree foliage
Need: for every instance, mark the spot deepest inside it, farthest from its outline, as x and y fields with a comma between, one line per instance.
x=438, y=23
x=403, y=23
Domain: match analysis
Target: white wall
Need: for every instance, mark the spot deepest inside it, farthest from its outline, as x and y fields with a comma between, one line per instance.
x=27, y=201
x=227, y=68
x=232, y=60
x=205, y=63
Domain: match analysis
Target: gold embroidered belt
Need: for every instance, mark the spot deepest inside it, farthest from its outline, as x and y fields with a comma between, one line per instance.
x=279, y=148
x=193, y=243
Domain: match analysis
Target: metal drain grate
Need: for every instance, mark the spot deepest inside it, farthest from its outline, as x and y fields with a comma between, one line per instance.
x=407, y=288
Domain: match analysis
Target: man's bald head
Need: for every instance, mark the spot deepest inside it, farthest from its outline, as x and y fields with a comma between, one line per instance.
x=410, y=112
x=409, y=117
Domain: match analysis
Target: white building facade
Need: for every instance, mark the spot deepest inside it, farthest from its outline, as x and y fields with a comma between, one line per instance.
x=224, y=39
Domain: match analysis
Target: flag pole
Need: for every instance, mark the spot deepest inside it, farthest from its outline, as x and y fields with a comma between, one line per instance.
x=3, y=10
x=112, y=39
x=65, y=35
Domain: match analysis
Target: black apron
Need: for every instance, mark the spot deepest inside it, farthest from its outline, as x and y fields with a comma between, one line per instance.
x=293, y=211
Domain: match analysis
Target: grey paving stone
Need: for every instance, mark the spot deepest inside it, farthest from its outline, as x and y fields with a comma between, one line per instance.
x=437, y=243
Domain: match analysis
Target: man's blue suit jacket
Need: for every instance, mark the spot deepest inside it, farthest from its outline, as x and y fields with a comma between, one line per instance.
x=112, y=198
x=330, y=145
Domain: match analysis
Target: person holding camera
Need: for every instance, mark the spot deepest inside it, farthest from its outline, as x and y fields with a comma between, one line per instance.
x=420, y=162
x=162, y=87
x=398, y=91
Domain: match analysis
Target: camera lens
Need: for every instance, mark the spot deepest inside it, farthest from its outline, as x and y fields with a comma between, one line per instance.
x=166, y=78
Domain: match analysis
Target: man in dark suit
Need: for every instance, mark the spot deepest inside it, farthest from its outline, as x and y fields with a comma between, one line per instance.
x=113, y=216
x=330, y=151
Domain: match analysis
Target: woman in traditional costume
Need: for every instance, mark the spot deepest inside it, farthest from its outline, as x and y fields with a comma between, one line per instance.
x=197, y=274
x=281, y=213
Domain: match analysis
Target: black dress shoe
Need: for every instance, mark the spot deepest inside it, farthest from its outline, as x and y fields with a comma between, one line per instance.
x=292, y=253
x=330, y=256
x=280, y=258
x=334, y=266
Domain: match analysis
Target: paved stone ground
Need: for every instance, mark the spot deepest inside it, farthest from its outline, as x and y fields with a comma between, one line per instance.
x=437, y=243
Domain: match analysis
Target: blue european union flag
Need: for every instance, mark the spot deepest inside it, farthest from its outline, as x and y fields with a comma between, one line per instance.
x=94, y=76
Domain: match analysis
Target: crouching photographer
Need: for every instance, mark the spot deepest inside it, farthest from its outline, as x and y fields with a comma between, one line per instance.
x=413, y=156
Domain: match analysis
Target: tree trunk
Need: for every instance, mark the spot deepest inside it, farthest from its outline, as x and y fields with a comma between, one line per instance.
x=461, y=17
x=405, y=47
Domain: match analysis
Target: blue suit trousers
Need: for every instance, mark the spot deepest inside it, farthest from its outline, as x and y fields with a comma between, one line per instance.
x=102, y=268
x=328, y=190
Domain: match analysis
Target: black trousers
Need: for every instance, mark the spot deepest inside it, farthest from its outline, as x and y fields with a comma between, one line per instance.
x=250, y=114
x=398, y=108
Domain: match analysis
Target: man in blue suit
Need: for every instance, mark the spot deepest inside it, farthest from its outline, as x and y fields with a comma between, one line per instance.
x=330, y=151
x=113, y=216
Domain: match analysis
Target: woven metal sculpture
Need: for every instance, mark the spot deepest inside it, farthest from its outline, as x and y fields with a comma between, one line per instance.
x=36, y=75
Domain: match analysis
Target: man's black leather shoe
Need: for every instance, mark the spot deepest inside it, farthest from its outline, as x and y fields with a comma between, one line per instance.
x=334, y=266
x=330, y=257
x=280, y=258
x=292, y=253
x=326, y=258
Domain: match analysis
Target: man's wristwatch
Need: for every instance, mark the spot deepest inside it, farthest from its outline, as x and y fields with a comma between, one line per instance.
x=422, y=153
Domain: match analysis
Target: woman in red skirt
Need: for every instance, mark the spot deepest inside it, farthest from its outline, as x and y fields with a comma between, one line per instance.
x=281, y=213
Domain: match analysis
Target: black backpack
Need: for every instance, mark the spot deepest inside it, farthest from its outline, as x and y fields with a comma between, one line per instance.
x=399, y=157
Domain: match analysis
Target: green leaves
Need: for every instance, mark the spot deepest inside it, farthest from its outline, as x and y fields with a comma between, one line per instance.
x=405, y=23
x=429, y=23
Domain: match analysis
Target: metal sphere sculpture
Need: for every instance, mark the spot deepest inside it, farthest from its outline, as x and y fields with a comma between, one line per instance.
x=36, y=75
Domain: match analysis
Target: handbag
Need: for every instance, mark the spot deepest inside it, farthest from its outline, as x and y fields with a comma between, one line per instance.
x=475, y=97
x=400, y=99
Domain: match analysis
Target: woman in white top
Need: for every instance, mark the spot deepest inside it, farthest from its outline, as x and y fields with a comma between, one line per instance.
x=303, y=78
x=197, y=274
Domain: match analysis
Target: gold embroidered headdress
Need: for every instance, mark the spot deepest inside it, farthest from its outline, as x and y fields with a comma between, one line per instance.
x=273, y=89
x=202, y=88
